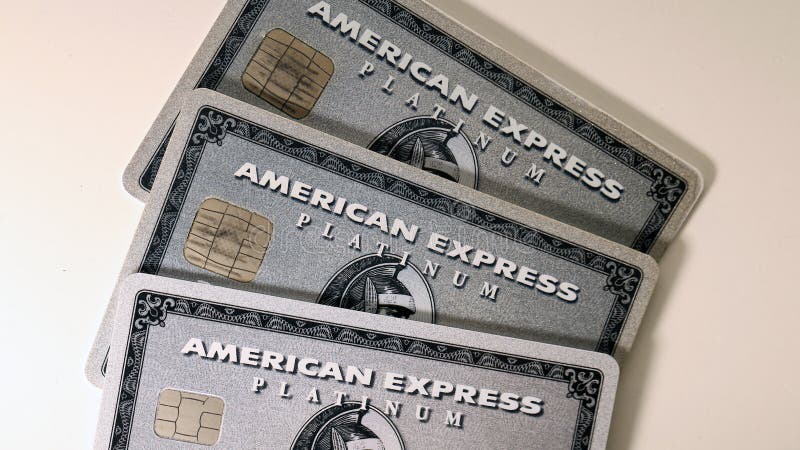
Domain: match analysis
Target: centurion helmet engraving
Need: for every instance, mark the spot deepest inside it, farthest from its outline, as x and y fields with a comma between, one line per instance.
x=381, y=284
x=348, y=427
x=389, y=297
x=432, y=144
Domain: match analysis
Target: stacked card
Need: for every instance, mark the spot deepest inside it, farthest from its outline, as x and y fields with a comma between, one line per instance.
x=321, y=164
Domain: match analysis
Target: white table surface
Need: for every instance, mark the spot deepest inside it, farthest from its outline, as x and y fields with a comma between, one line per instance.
x=716, y=362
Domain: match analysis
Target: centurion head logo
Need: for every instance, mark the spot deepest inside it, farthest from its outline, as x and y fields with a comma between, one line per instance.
x=348, y=427
x=381, y=284
x=432, y=144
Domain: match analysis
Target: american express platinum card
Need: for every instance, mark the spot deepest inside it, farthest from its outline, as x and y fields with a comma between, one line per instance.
x=403, y=80
x=248, y=200
x=195, y=366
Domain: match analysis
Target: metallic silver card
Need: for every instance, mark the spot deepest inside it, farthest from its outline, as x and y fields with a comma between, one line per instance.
x=403, y=80
x=249, y=200
x=223, y=368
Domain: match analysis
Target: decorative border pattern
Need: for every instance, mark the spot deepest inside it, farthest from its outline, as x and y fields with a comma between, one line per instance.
x=212, y=125
x=153, y=309
x=211, y=77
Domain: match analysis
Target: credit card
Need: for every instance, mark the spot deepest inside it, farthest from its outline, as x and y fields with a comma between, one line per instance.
x=210, y=366
x=403, y=80
x=252, y=201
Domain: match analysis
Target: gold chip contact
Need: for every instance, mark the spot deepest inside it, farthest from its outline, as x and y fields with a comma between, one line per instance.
x=228, y=240
x=188, y=417
x=287, y=73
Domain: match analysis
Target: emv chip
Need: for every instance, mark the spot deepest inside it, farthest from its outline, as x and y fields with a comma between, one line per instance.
x=287, y=73
x=188, y=417
x=228, y=240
